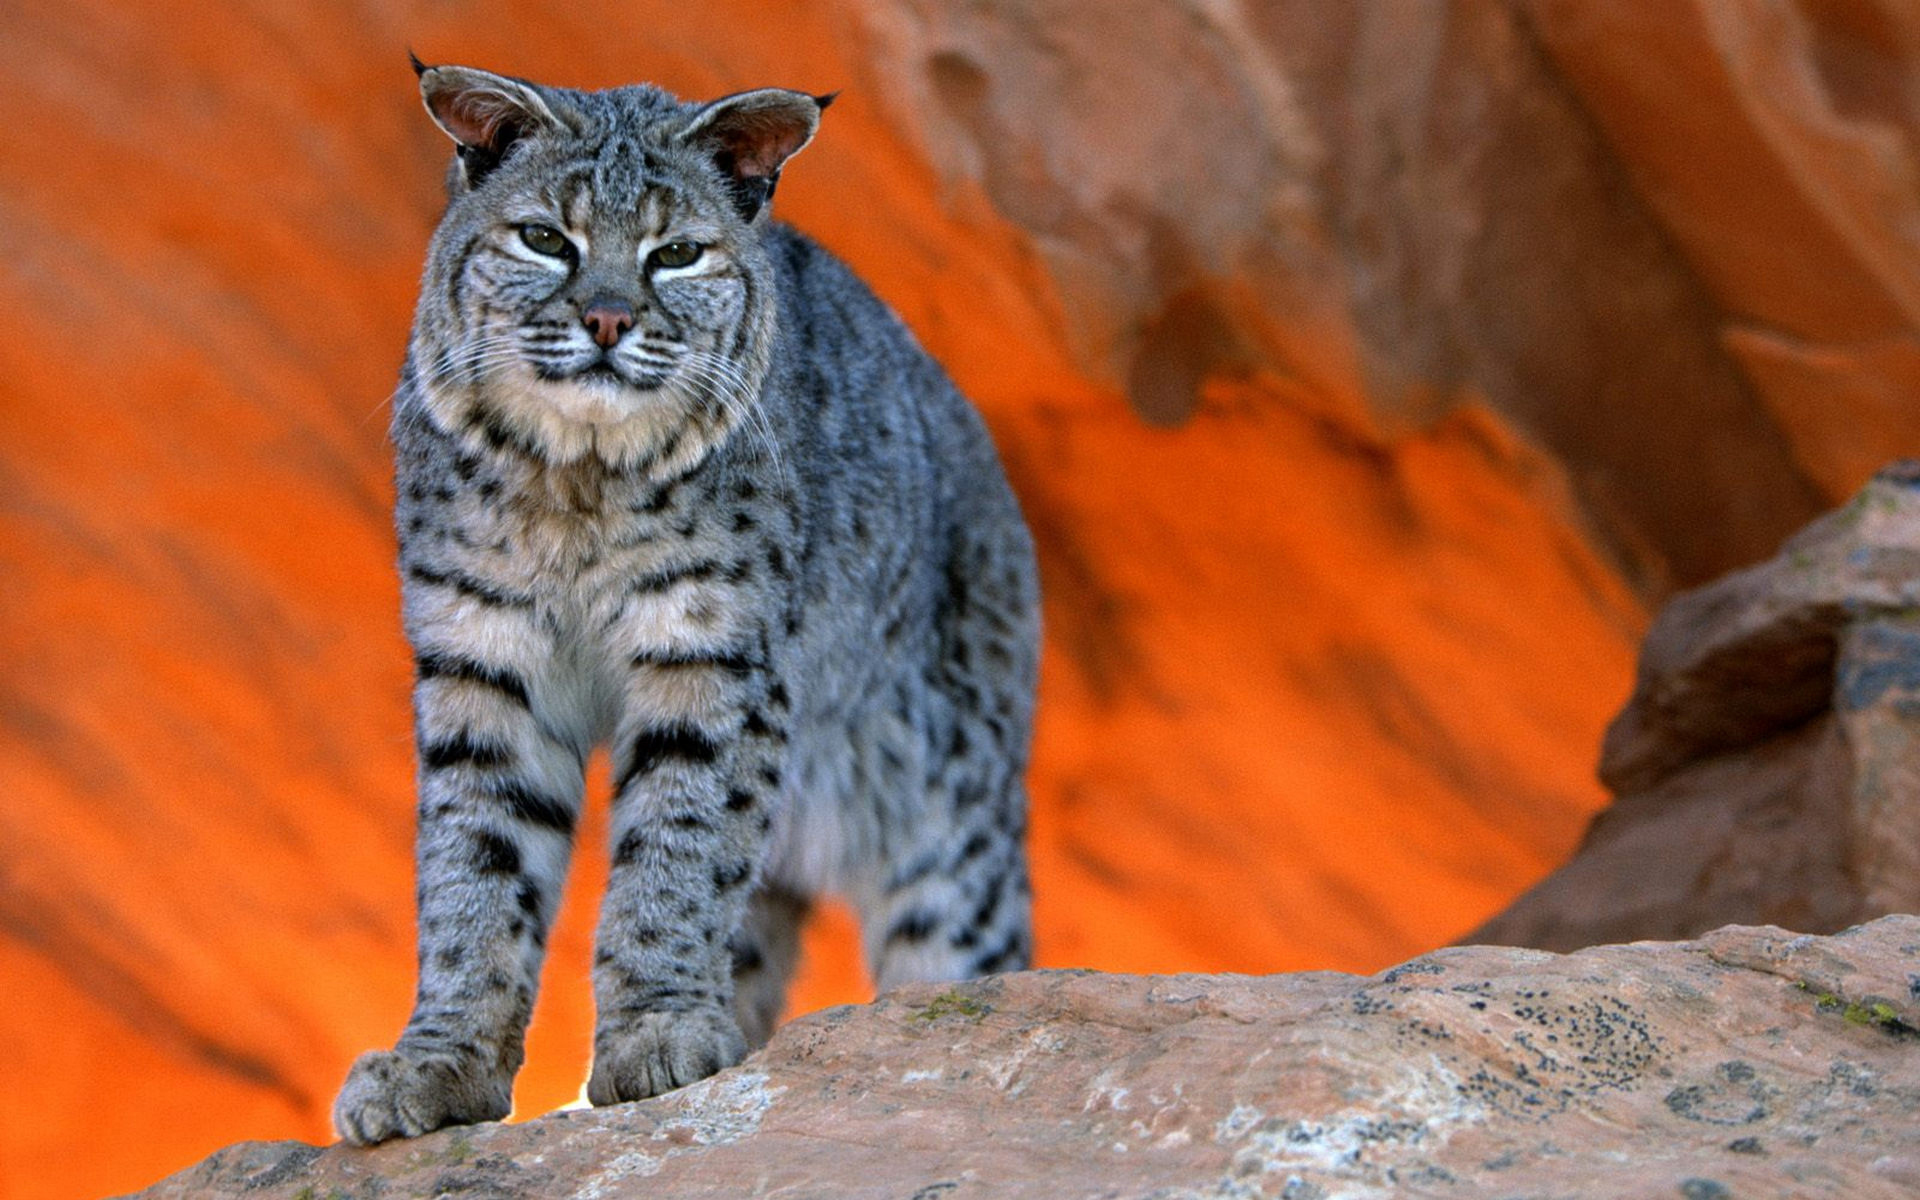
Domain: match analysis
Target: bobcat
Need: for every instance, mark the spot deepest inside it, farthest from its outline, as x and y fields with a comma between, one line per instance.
x=672, y=480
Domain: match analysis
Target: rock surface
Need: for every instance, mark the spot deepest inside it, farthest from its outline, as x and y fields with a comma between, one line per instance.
x=1752, y=1062
x=1768, y=764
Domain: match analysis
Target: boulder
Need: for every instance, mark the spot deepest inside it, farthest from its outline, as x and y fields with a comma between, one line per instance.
x=1767, y=766
x=1752, y=1062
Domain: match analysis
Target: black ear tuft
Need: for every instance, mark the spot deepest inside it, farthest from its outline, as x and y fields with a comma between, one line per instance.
x=824, y=101
x=484, y=114
x=751, y=135
x=419, y=68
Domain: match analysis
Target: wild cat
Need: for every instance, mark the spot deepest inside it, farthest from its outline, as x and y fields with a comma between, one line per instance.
x=671, y=480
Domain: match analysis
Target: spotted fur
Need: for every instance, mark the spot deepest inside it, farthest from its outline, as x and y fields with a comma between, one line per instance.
x=724, y=517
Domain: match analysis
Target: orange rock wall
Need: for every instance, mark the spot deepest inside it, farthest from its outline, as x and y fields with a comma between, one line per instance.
x=1365, y=371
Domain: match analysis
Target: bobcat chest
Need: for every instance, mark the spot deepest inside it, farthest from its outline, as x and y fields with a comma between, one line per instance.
x=641, y=575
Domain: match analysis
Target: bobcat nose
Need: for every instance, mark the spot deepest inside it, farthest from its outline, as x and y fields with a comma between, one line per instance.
x=607, y=319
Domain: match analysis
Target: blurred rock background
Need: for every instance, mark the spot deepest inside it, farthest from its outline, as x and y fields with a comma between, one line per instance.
x=1370, y=373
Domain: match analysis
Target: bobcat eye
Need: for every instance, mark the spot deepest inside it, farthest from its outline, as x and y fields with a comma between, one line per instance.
x=545, y=239
x=676, y=254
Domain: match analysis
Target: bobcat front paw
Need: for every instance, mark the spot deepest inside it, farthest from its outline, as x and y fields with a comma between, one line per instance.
x=391, y=1094
x=657, y=1052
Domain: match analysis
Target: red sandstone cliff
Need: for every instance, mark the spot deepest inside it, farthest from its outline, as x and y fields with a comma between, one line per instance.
x=1365, y=371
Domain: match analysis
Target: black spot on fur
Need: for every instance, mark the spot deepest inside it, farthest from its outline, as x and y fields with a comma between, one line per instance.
x=495, y=855
x=434, y=665
x=498, y=434
x=463, y=749
x=915, y=925
x=527, y=804
x=731, y=661
x=653, y=748
x=657, y=503
x=668, y=577
x=630, y=847
x=729, y=876
x=529, y=898
x=1010, y=955
x=740, y=800
x=989, y=906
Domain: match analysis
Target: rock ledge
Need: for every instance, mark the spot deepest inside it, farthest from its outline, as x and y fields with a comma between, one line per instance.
x=1752, y=1062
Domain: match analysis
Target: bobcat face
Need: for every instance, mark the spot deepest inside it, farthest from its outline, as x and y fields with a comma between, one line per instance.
x=598, y=287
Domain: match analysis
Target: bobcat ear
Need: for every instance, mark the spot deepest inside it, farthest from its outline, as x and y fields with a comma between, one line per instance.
x=483, y=113
x=750, y=135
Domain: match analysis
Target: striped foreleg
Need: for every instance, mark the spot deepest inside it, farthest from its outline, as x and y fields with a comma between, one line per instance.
x=699, y=758
x=499, y=795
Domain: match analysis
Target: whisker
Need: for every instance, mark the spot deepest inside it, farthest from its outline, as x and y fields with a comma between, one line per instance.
x=727, y=383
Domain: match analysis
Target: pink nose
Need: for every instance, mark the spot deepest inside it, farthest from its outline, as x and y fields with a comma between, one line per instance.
x=607, y=320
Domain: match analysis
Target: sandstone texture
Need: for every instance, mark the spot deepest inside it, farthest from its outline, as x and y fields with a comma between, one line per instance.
x=1368, y=372
x=1767, y=767
x=1814, y=109
x=1752, y=1063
